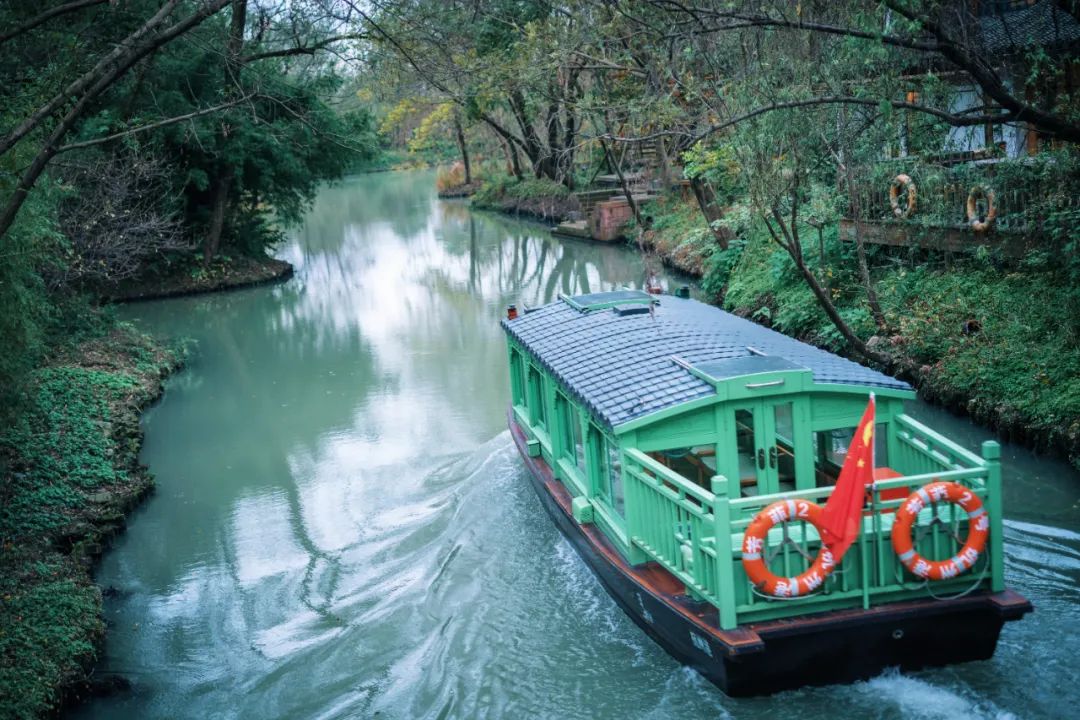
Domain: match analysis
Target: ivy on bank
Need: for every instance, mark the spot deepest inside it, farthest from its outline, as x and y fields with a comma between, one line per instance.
x=68, y=471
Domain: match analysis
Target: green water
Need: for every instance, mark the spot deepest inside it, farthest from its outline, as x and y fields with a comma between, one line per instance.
x=342, y=528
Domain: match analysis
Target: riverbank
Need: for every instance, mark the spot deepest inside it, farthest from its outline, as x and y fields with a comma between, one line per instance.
x=70, y=474
x=194, y=278
x=540, y=199
x=991, y=337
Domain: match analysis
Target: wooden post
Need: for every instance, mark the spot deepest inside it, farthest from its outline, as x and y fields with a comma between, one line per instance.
x=725, y=571
x=864, y=562
x=991, y=453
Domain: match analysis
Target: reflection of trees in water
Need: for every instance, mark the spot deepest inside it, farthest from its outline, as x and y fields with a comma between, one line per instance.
x=405, y=201
x=512, y=261
x=283, y=370
x=265, y=383
x=519, y=260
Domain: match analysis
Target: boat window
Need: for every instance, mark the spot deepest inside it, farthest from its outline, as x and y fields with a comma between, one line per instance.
x=881, y=445
x=831, y=446
x=537, y=409
x=573, y=448
x=697, y=464
x=579, y=444
x=615, y=484
x=610, y=471
x=830, y=449
x=745, y=447
x=783, y=455
x=517, y=379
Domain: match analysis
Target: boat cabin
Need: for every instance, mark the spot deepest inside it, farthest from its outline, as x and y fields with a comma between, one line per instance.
x=672, y=424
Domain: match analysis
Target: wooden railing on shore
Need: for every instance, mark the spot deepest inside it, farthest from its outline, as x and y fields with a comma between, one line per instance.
x=939, y=220
x=696, y=534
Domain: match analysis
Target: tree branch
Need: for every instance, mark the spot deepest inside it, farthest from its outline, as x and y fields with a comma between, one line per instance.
x=302, y=49
x=957, y=120
x=153, y=125
x=756, y=20
x=88, y=79
x=47, y=16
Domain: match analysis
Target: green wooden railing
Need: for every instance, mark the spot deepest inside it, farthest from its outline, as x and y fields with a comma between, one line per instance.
x=673, y=521
x=696, y=534
x=918, y=449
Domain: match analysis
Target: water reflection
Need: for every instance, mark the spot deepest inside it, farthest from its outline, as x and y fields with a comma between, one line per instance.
x=342, y=528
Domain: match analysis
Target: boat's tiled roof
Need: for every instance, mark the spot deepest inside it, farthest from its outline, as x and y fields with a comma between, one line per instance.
x=621, y=367
x=1015, y=28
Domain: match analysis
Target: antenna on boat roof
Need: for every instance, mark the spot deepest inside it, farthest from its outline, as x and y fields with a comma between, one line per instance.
x=755, y=351
x=682, y=363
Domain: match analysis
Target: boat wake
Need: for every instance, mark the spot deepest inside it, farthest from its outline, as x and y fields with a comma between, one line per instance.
x=445, y=591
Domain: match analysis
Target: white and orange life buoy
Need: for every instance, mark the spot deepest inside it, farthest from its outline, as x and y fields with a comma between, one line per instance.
x=980, y=224
x=978, y=531
x=899, y=183
x=756, y=540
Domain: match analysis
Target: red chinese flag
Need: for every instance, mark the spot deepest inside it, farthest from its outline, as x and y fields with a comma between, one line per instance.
x=842, y=516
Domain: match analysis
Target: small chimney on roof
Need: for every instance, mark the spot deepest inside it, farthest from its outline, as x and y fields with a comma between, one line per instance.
x=511, y=312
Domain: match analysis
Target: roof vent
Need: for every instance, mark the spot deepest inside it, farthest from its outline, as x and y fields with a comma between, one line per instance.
x=631, y=309
x=728, y=368
x=604, y=300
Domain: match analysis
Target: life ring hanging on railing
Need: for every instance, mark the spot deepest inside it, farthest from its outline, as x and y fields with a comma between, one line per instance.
x=899, y=183
x=978, y=530
x=755, y=541
x=974, y=195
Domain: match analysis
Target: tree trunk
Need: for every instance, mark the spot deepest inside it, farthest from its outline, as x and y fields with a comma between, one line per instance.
x=665, y=164
x=223, y=180
x=543, y=162
x=622, y=183
x=790, y=243
x=515, y=161
x=860, y=245
x=219, y=199
x=706, y=200
x=459, y=132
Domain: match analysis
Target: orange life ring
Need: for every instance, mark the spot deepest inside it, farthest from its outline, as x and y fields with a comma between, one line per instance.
x=974, y=195
x=756, y=539
x=978, y=530
x=894, y=196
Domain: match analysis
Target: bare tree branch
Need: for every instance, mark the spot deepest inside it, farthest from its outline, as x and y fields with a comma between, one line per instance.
x=955, y=119
x=302, y=49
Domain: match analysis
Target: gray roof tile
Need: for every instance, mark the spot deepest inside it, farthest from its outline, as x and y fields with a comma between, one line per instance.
x=619, y=366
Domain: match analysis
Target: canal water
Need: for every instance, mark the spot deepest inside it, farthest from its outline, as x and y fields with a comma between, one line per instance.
x=342, y=528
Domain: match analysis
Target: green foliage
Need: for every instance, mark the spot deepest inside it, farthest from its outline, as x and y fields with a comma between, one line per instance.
x=719, y=267
x=272, y=151
x=678, y=232
x=718, y=165
x=23, y=297
x=59, y=448
x=500, y=187
x=67, y=463
x=49, y=623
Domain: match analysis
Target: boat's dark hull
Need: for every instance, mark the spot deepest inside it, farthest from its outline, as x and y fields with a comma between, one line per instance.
x=828, y=648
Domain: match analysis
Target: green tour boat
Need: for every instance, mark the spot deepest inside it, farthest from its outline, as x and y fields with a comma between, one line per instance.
x=692, y=458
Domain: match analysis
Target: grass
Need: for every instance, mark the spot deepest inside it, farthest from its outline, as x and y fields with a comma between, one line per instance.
x=69, y=472
x=679, y=234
